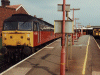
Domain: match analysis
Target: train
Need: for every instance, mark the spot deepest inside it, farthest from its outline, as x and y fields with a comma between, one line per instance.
x=96, y=32
x=22, y=33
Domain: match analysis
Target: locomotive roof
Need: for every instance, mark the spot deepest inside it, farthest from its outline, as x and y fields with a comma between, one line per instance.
x=25, y=18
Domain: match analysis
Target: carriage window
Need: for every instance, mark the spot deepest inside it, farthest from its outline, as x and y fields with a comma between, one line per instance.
x=25, y=26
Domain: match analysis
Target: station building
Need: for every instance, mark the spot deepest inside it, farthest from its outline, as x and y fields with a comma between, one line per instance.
x=6, y=10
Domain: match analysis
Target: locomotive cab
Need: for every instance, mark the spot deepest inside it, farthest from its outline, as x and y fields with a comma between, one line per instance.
x=17, y=35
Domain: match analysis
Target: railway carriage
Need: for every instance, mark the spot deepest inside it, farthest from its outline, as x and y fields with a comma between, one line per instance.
x=22, y=33
x=96, y=32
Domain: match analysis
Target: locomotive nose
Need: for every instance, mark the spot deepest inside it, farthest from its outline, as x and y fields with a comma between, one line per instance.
x=18, y=38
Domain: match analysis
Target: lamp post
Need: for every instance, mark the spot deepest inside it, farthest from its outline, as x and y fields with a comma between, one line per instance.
x=81, y=29
x=78, y=24
x=62, y=65
x=60, y=27
x=73, y=20
x=75, y=26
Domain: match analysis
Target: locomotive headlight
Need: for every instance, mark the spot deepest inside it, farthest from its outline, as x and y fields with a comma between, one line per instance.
x=21, y=37
x=11, y=37
x=28, y=38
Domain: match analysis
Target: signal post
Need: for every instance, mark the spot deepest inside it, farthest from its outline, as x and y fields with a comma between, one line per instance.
x=63, y=26
x=79, y=28
x=62, y=64
x=73, y=20
x=76, y=27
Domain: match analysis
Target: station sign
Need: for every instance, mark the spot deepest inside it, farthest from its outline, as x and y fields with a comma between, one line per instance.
x=69, y=26
x=67, y=7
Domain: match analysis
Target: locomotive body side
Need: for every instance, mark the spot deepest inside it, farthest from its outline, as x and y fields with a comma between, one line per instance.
x=41, y=37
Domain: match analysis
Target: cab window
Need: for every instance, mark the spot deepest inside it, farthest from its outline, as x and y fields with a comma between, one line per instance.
x=35, y=27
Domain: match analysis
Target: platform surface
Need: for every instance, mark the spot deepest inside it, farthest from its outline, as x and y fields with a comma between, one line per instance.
x=47, y=61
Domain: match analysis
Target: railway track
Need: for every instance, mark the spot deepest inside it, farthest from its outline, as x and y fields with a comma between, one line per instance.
x=98, y=41
x=5, y=65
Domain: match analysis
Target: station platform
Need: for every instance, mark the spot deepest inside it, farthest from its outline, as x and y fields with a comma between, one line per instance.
x=85, y=60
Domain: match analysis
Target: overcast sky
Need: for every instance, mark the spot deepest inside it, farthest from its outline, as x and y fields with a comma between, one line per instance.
x=47, y=9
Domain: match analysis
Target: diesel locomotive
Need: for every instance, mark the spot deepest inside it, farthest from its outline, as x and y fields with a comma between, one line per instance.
x=21, y=33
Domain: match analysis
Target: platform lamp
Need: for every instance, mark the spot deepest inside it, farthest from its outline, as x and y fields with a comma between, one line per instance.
x=61, y=28
x=73, y=20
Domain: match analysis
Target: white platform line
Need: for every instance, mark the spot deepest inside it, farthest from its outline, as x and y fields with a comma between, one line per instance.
x=25, y=59
x=48, y=47
x=80, y=45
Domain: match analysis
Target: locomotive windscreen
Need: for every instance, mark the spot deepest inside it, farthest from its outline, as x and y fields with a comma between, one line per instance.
x=25, y=26
x=10, y=25
x=18, y=26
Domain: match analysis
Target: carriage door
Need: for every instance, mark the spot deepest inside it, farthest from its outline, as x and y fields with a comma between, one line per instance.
x=38, y=32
